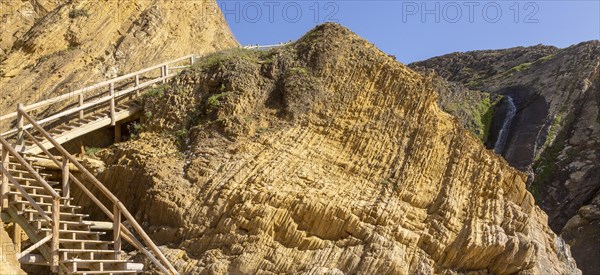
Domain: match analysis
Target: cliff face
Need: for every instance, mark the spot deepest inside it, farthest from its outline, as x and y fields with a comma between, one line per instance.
x=50, y=49
x=325, y=156
x=555, y=133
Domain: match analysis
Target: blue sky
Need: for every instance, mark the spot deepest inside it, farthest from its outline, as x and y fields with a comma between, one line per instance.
x=417, y=30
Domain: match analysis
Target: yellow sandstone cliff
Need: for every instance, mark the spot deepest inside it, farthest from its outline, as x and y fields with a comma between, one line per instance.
x=324, y=157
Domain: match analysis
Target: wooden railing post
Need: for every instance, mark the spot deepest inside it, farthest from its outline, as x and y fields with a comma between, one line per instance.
x=81, y=104
x=113, y=120
x=65, y=178
x=117, y=231
x=164, y=72
x=20, y=124
x=137, y=84
x=16, y=237
x=54, y=258
x=4, y=188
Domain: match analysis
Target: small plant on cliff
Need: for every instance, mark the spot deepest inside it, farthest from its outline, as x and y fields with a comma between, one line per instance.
x=298, y=70
x=156, y=92
x=521, y=67
x=214, y=102
x=134, y=130
x=222, y=57
x=75, y=13
x=91, y=151
x=546, y=58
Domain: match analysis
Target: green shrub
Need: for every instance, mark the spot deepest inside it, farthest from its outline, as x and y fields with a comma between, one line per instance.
x=214, y=102
x=521, y=67
x=182, y=134
x=134, y=129
x=298, y=71
x=546, y=58
x=91, y=151
x=156, y=92
x=219, y=58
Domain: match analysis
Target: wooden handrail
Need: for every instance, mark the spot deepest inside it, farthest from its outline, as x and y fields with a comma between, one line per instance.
x=104, y=190
x=96, y=86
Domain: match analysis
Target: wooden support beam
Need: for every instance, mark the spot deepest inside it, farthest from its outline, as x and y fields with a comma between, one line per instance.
x=4, y=187
x=33, y=259
x=137, y=84
x=117, y=231
x=33, y=247
x=81, y=114
x=113, y=119
x=20, y=124
x=118, y=134
x=82, y=148
x=16, y=237
x=54, y=258
x=65, y=179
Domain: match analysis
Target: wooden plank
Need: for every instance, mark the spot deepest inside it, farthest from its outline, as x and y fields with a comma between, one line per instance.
x=34, y=247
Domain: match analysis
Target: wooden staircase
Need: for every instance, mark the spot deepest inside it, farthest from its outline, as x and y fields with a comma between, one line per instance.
x=41, y=206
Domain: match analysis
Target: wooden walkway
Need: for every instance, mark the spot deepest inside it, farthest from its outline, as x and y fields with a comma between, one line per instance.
x=91, y=108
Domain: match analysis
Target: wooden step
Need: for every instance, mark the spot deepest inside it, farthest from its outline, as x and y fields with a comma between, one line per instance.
x=85, y=241
x=96, y=261
x=62, y=206
x=106, y=272
x=34, y=196
x=24, y=172
x=78, y=232
x=62, y=214
x=22, y=179
x=33, y=189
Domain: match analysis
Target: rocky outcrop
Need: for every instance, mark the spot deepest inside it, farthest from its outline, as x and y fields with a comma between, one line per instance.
x=81, y=42
x=325, y=156
x=556, y=132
